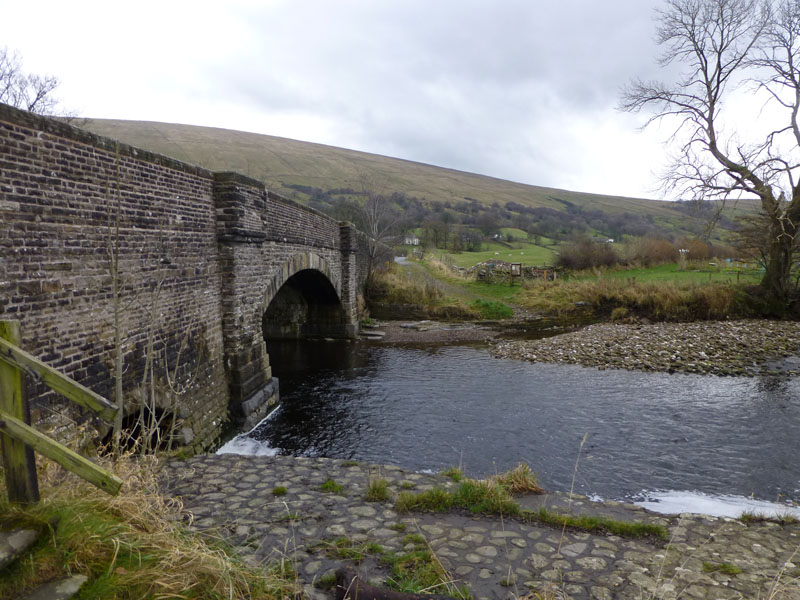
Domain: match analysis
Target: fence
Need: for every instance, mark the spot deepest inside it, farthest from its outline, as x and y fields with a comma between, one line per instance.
x=18, y=439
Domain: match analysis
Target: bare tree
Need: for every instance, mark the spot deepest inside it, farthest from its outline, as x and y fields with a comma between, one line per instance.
x=725, y=46
x=29, y=92
x=377, y=217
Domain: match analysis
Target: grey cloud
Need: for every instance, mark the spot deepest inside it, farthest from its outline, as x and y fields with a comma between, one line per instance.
x=460, y=84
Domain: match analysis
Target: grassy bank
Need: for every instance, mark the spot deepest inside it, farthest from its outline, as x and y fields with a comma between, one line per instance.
x=621, y=298
x=664, y=292
x=429, y=290
x=130, y=546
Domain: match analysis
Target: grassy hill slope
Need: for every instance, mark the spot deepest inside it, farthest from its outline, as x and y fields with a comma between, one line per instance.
x=281, y=162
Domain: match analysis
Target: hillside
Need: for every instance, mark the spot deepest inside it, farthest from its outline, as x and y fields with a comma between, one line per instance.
x=284, y=165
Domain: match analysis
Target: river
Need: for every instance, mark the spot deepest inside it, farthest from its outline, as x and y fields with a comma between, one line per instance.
x=649, y=437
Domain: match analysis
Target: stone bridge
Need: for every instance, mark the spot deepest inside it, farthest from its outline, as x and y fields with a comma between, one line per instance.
x=207, y=266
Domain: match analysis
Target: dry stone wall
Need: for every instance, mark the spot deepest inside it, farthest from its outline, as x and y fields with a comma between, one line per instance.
x=197, y=252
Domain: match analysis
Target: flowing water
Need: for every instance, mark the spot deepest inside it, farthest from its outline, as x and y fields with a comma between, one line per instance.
x=636, y=436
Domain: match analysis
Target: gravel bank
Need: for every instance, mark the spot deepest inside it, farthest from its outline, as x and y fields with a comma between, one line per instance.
x=742, y=348
x=434, y=332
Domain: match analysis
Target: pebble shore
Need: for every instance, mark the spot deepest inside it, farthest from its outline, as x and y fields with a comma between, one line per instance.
x=734, y=348
x=233, y=497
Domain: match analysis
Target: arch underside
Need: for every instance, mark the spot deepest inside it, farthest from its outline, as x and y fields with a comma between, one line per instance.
x=302, y=301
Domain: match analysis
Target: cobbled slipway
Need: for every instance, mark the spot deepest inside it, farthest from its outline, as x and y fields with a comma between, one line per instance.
x=232, y=496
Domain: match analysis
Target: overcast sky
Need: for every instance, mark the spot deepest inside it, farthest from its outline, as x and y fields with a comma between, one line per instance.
x=524, y=90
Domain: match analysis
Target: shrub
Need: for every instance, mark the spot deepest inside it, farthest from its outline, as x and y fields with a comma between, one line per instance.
x=586, y=254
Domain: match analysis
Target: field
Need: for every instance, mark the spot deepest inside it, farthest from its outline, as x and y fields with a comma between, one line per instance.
x=697, y=273
x=662, y=292
x=523, y=252
x=528, y=255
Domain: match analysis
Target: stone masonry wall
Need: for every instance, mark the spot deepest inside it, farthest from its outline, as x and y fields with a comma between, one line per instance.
x=264, y=240
x=201, y=254
x=61, y=190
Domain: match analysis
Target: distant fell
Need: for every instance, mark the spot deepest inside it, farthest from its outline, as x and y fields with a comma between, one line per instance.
x=282, y=163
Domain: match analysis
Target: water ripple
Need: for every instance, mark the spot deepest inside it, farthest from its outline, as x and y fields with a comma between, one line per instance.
x=429, y=408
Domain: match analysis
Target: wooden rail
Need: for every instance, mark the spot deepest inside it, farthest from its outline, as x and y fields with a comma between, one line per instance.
x=18, y=439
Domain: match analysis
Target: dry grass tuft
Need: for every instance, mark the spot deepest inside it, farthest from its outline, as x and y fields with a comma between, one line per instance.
x=667, y=301
x=519, y=480
x=133, y=545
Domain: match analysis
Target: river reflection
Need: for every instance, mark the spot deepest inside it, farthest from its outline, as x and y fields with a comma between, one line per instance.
x=430, y=407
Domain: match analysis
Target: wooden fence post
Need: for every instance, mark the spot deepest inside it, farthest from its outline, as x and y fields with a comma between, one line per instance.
x=18, y=458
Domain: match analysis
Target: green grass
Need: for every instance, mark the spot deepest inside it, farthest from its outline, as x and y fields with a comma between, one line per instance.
x=326, y=582
x=414, y=538
x=279, y=490
x=474, y=496
x=130, y=546
x=492, y=309
x=493, y=496
x=346, y=549
x=726, y=568
x=595, y=524
x=750, y=517
x=433, y=500
x=419, y=571
x=699, y=273
x=500, y=292
x=454, y=473
x=484, y=497
x=519, y=480
x=331, y=486
x=523, y=252
x=415, y=572
x=377, y=491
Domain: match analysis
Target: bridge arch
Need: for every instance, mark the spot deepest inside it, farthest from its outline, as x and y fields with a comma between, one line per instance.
x=303, y=299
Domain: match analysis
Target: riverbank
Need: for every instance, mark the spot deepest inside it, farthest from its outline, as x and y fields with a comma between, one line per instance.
x=739, y=348
x=436, y=332
x=312, y=514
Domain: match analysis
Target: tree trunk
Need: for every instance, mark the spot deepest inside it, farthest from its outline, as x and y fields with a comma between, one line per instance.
x=776, y=275
x=782, y=235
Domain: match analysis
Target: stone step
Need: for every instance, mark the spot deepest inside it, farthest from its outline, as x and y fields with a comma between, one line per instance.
x=373, y=334
x=63, y=589
x=14, y=543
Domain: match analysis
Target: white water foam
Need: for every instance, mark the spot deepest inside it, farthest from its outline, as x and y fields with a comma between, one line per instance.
x=243, y=444
x=673, y=502
x=246, y=446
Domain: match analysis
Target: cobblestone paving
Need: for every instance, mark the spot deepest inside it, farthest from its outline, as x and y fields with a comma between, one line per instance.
x=496, y=558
